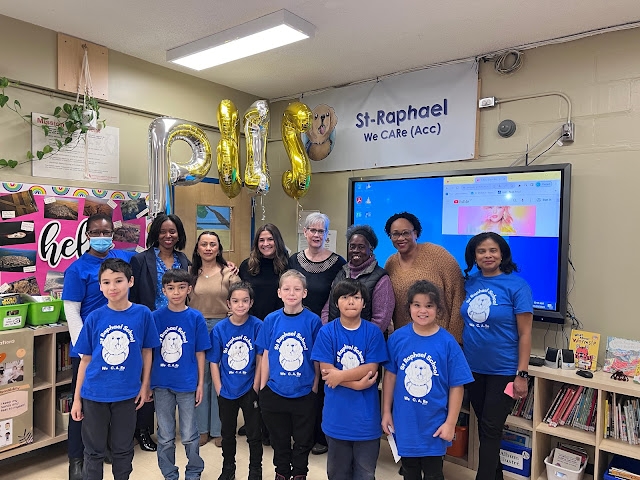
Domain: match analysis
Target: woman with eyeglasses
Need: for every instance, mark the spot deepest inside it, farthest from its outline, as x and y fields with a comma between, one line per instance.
x=363, y=266
x=320, y=266
x=81, y=295
x=423, y=261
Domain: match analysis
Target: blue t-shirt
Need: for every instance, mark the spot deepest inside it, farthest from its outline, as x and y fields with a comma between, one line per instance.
x=348, y=414
x=426, y=368
x=234, y=348
x=490, y=334
x=289, y=340
x=81, y=282
x=182, y=334
x=115, y=340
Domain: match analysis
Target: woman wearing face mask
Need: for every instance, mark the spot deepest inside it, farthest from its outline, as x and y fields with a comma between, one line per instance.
x=81, y=295
x=363, y=266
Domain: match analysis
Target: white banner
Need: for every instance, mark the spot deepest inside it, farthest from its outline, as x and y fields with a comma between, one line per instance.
x=426, y=116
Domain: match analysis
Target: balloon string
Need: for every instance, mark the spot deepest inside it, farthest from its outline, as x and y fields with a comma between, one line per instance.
x=264, y=211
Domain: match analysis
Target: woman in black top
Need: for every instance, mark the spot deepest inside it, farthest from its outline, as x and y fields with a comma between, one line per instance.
x=267, y=261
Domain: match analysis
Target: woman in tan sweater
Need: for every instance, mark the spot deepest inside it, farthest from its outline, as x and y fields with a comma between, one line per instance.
x=424, y=261
x=213, y=277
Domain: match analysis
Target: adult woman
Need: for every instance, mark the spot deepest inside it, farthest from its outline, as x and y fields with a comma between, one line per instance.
x=320, y=266
x=213, y=277
x=81, y=295
x=165, y=240
x=267, y=261
x=498, y=314
x=424, y=261
x=363, y=266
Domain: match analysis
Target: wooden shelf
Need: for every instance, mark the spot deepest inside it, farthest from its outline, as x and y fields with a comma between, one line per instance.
x=519, y=422
x=49, y=329
x=63, y=378
x=621, y=448
x=40, y=439
x=588, y=438
x=457, y=460
x=40, y=384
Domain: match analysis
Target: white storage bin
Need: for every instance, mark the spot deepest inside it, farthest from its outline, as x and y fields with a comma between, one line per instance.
x=554, y=472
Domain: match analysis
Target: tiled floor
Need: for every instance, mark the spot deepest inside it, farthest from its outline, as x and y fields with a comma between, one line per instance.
x=52, y=464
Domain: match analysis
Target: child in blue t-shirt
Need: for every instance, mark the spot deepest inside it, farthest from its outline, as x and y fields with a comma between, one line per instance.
x=177, y=375
x=424, y=383
x=289, y=378
x=235, y=373
x=116, y=344
x=349, y=350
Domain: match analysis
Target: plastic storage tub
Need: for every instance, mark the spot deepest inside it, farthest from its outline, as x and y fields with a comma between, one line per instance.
x=44, y=312
x=13, y=316
x=554, y=472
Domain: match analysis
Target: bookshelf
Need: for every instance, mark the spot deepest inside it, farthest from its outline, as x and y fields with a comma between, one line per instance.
x=547, y=382
x=46, y=380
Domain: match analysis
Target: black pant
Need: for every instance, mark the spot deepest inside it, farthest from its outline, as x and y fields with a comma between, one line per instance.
x=117, y=421
x=286, y=418
x=144, y=418
x=492, y=406
x=318, y=434
x=229, y=418
x=413, y=468
x=75, y=446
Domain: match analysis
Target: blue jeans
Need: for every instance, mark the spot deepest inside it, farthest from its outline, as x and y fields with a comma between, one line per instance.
x=351, y=460
x=208, y=413
x=166, y=401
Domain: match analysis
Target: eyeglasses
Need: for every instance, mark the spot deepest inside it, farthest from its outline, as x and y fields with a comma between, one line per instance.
x=404, y=233
x=316, y=231
x=100, y=233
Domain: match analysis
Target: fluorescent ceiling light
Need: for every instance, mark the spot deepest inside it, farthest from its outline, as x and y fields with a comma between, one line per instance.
x=259, y=35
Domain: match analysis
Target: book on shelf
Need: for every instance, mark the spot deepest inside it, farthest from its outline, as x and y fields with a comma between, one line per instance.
x=585, y=348
x=573, y=406
x=622, y=418
x=517, y=436
x=64, y=401
x=523, y=407
x=622, y=355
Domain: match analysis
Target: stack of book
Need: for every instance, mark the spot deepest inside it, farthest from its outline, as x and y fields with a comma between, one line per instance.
x=64, y=401
x=569, y=457
x=524, y=406
x=573, y=406
x=622, y=418
x=63, y=361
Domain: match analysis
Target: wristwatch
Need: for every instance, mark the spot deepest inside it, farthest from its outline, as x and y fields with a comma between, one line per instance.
x=523, y=374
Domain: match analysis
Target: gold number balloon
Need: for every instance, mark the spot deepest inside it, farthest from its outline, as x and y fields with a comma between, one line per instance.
x=228, y=158
x=163, y=173
x=256, y=129
x=296, y=120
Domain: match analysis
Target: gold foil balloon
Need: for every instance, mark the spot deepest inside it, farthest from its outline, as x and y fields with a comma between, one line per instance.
x=256, y=130
x=228, y=157
x=163, y=173
x=296, y=120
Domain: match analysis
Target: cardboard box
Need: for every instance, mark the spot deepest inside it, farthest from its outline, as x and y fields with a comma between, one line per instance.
x=16, y=388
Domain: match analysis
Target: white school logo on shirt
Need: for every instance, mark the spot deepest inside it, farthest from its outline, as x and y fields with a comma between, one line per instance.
x=417, y=380
x=479, y=308
x=238, y=355
x=350, y=356
x=291, y=357
x=171, y=350
x=115, y=347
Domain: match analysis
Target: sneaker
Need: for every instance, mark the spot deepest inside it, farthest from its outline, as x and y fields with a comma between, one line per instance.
x=265, y=441
x=217, y=441
x=299, y=477
x=319, y=449
x=204, y=438
x=281, y=477
x=255, y=474
x=242, y=431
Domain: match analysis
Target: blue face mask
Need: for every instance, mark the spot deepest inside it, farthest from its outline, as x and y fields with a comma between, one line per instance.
x=101, y=244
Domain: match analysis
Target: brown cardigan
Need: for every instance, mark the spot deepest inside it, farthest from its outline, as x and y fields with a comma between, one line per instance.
x=437, y=265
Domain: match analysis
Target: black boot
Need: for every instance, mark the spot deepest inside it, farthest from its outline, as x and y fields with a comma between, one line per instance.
x=75, y=468
x=144, y=439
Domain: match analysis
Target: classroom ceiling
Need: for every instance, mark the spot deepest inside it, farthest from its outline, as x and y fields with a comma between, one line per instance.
x=355, y=39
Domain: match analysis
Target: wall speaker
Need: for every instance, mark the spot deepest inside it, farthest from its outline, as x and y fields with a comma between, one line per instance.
x=553, y=357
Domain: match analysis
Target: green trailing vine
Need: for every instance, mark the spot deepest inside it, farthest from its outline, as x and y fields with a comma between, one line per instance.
x=72, y=121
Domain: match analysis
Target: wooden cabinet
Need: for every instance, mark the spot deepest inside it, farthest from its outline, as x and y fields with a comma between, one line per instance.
x=46, y=383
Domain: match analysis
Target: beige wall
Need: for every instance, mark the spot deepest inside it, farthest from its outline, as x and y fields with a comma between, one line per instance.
x=32, y=59
x=601, y=75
